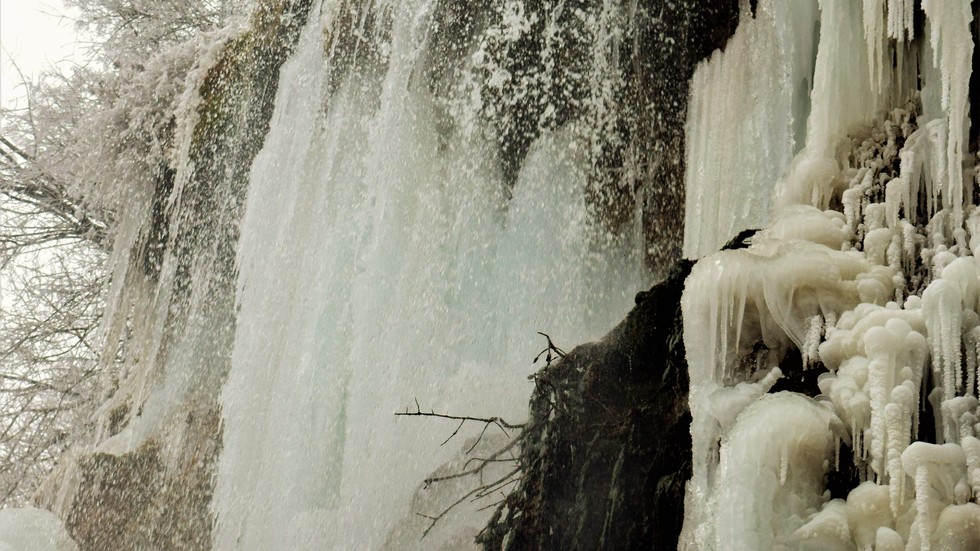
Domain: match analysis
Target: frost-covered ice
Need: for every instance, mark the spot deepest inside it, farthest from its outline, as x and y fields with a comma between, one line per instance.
x=868, y=269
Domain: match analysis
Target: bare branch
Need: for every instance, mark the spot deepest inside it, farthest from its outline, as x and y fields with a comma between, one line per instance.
x=548, y=350
x=489, y=420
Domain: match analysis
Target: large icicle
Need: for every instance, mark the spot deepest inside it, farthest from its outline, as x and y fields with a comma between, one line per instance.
x=952, y=46
x=840, y=102
x=748, y=110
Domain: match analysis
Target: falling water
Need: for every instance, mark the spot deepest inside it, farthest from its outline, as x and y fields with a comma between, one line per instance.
x=384, y=257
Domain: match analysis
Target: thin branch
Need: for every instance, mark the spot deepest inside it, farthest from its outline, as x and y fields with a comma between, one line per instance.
x=548, y=350
x=433, y=520
x=494, y=420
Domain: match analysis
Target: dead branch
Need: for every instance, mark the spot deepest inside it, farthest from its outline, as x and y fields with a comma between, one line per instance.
x=475, y=466
x=504, y=425
x=548, y=350
x=479, y=492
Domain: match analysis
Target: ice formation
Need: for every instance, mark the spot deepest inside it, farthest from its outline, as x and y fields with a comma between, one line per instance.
x=867, y=272
x=728, y=176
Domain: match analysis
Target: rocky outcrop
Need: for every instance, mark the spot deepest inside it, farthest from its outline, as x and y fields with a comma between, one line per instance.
x=608, y=445
x=134, y=501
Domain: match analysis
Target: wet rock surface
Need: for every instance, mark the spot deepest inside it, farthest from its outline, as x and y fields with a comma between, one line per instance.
x=608, y=447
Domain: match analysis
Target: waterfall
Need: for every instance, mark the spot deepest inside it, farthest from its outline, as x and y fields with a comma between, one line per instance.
x=368, y=209
x=384, y=258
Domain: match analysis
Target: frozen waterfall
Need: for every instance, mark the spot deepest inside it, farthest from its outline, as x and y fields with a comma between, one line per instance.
x=359, y=208
x=867, y=269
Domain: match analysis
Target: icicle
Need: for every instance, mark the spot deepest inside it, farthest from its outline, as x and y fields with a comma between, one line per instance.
x=882, y=345
x=909, y=238
x=898, y=416
x=783, y=467
x=812, y=341
x=975, y=376
x=922, y=506
x=901, y=19
x=970, y=326
x=837, y=442
x=971, y=449
x=831, y=319
x=873, y=36
x=952, y=45
x=954, y=411
x=852, y=199
x=942, y=308
x=920, y=458
x=967, y=421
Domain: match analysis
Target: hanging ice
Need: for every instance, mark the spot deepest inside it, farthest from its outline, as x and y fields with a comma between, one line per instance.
x=869, y=272
x=747, y=118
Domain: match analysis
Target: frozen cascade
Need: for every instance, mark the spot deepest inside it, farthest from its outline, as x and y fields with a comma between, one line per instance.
x=381, y=261
x=741, y=139
x=439, y=181
x=869, y=269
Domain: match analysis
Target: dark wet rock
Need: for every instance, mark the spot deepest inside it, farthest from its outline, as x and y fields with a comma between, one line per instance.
x=608, y=446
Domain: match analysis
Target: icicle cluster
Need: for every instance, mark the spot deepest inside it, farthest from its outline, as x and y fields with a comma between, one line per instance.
x=871, y=271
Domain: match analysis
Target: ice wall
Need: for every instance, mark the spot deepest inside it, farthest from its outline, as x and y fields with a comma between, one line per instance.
x=746, y=119
x=868, y=276
x=380, y=261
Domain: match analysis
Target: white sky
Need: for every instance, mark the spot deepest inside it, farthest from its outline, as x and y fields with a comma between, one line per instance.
x=35, y=34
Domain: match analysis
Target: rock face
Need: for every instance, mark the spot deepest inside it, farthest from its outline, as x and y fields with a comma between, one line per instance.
x=607, y=451
x=641, y=52
x=158, y=495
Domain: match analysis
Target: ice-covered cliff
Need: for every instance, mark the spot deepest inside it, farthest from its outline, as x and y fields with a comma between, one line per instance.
x=369, y=203
x=863, y=281
x=374, y=206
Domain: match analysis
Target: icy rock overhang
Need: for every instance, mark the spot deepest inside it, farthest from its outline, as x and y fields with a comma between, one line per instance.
x=867, y=273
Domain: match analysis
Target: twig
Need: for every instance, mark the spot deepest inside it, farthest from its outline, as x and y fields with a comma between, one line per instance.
x=476, y=470
x=489, y=420
x=478, y=490
x=548, y=350
x=484, y=490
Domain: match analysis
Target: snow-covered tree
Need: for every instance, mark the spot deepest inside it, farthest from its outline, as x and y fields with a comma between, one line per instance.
x=90, y=138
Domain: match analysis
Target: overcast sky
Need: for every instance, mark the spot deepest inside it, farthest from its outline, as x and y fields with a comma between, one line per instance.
x=35, y=35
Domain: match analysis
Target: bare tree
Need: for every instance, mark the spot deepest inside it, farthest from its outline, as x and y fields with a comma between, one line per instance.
x=85, y=142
